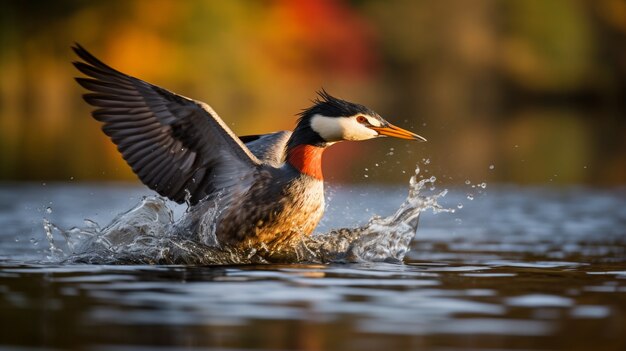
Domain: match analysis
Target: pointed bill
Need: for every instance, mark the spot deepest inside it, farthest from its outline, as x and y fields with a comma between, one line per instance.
x=397, y=132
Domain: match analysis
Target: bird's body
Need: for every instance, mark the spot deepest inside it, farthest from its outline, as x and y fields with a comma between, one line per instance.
x=280, y=205
x=270, y=187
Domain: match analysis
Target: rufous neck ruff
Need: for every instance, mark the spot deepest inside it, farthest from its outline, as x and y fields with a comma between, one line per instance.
x=307, y=159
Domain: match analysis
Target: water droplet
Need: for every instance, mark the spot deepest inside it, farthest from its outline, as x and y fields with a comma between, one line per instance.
x=366, y=170
x=483, y=185
x=188, y=198
x=459, y=206
x=48, y=209
x=458, y=220
x=516, y=146
x=432, y=179
x=467, y=182
x=492, y=166
x=376, y=164
x=470, y=197
x=44, y=184
x=366, y=176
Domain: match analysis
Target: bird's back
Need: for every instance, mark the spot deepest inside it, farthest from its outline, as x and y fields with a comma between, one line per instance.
x=269, y=148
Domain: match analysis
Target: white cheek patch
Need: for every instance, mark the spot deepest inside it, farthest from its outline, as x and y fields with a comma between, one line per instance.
x=334, y=129
x=373, y=121
x=328, y=128
x=353, y=130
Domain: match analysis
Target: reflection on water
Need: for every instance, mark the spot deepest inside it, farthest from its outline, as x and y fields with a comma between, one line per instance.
x=514, y=269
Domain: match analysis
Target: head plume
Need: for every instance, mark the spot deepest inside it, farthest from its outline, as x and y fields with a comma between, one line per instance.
x=330, y=106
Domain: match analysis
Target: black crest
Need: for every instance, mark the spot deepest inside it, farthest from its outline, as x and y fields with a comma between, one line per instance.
x=330, y=106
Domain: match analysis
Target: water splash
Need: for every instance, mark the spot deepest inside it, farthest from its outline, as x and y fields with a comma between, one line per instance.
x=149, y=234
x=384, y=239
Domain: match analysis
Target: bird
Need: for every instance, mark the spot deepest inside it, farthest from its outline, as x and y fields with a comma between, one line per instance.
x=270, y=186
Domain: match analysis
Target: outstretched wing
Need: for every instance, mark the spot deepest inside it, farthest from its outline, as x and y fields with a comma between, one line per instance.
x=174, y=144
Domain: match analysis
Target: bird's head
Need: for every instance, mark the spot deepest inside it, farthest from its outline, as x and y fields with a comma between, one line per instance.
x=330, y=120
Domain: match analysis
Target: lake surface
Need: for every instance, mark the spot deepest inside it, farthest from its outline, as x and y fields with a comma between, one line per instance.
x=513, y=269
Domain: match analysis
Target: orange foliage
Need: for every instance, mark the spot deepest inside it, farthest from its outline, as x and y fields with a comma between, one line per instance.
x=324, y=35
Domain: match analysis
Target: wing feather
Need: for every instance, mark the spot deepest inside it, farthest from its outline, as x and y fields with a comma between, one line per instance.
x=173, y=143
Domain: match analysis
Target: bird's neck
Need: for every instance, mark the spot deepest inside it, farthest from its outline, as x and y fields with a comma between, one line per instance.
x=307, y=159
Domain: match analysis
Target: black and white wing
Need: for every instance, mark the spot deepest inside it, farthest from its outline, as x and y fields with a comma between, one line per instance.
x=174, y=144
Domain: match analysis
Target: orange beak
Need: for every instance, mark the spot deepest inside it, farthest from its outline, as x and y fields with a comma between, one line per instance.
x=397, y=132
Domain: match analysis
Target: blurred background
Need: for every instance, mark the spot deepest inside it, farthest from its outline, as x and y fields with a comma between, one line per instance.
x=523, y=91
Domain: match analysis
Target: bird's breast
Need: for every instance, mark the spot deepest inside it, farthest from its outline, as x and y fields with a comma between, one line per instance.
x=274, y=212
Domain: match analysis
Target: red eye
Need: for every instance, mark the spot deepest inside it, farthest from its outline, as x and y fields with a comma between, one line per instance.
x=361, y=119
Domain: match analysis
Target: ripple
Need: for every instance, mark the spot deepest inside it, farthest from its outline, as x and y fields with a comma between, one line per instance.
x=489, y=275
x=590, y=312
x=495, y=327
x=539, y=300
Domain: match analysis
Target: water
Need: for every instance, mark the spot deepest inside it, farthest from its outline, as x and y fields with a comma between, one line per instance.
x=150, y=233
x=516, y=268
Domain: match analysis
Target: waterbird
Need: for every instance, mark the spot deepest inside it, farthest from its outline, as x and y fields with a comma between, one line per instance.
x=270, y=186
